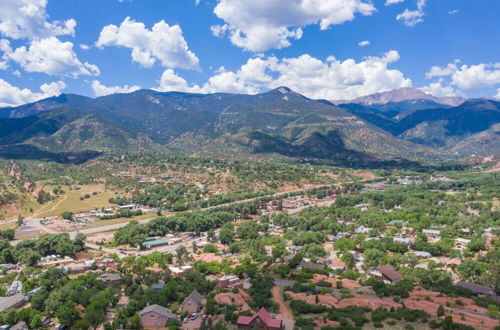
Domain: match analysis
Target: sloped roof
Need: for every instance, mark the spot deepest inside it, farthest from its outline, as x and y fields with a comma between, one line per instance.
x=195, y=296
x=160, y=310
x=389, y=272
x=11, y=301
x=338, y=263
x=476, y=288
x=264, y=316
x=110, y=277
x=311, y=265
x=20, y=326
x=157, y=286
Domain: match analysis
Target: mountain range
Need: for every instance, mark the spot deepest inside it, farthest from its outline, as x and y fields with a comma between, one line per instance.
x=395, y=126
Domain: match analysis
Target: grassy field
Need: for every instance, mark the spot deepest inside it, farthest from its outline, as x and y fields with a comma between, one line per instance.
x=8, y=225
x=101, y=223
x=71, y=202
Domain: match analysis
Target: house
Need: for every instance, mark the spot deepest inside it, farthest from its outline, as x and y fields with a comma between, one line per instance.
x=127, y=207
x=432, y=233
x=362, y=206
x=157, y=287
x=156, y=268
x=152, y=243
x=193, y=303
x=14, y=288
x=6, y=267
x=178, y=271
x=109, y=263
x=358, y=257
x=461, y=243
x=294, y=249
x=33, y=292
x=385, y=273
x=156, y=316
x=20, y=326
x=419, y=254
x=110, y=278
x=260, y=320
x=46, y=320
x=337, y=265
x=396, y=222
x=476, y=289
x=229, y=281
x=362, y=230
x=402, y=240
x=11, y=302
x=310, y=265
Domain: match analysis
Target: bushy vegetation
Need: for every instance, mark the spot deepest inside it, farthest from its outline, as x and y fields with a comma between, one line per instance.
x=29, y=252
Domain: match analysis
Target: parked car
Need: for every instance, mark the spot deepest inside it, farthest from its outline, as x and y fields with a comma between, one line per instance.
x=186, y=320
x=204, y=317
x=194, y=316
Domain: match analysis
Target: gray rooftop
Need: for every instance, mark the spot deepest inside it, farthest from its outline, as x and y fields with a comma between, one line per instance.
x=195, y=296
x=10, y=302
x=160, y=310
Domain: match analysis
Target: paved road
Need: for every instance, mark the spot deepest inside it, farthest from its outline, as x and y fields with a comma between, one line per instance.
x=113, y=227
x=143, y=221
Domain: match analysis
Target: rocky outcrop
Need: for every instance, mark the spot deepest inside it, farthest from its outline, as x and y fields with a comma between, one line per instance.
x=15, y=172
x=29, y=187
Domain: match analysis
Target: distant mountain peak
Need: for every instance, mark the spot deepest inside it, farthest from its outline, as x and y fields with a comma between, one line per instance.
x=284, y=90
x=403, y=94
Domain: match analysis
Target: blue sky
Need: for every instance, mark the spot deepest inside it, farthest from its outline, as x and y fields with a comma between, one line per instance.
x=97, y=47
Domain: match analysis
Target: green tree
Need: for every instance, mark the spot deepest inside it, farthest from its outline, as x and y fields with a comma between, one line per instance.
x=440, y=311
x=36, y=321
x=248, y=230
x=344, y=244
x=67, y=215
x=226, y=235
x=68, y=314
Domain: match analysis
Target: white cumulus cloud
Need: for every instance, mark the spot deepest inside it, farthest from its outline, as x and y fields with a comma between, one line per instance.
x=28, y=19
x=171, y=81
x=50, y=56
x=315, y=78
x=363, y=43
x=12, y=96
x=262, y=25
x=102, y=90
x=468, y=77
x=460, y=79
x=440, y=88
x=392, y=2
x=163, y=43
x=413, y=17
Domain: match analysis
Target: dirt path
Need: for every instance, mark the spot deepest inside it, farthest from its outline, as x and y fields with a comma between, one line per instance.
x=37, y=213
x=285, y=312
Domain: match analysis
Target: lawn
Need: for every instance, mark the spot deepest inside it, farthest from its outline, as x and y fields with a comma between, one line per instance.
x=71, y=202
x=101, y=223
x=8, y=225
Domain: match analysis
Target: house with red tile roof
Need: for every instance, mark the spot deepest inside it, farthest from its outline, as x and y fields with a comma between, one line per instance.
x=337, y=265
x=260, y=320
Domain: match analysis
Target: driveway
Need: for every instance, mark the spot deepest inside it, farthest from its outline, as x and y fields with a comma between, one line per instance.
x=285, y=313
x=196, y=324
